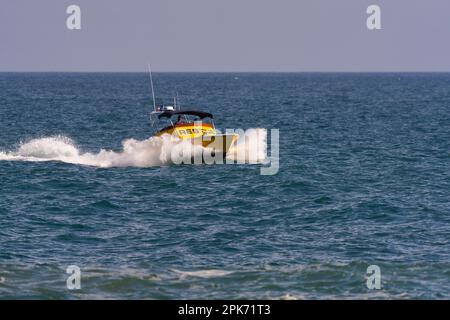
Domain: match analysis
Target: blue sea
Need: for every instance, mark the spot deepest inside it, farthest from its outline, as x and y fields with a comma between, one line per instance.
x=364, y=179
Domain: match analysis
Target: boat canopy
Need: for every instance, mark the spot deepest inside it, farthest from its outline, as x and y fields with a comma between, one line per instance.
x=200, y=114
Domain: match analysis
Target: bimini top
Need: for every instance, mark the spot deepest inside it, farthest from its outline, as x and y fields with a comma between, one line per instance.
x=200, y=114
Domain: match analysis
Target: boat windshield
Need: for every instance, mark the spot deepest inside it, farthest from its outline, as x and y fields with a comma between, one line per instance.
x=168, y=118
x=187, y=119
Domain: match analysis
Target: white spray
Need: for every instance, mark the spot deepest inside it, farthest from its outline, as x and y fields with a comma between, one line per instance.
x=155, y=151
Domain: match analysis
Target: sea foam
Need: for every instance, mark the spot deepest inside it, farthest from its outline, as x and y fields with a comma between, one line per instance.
x=155, y=151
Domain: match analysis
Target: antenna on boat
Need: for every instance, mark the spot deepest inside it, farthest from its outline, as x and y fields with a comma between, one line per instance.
x=151, y=84
x=178, y=103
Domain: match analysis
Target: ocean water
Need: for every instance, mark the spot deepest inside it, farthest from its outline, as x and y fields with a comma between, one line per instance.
x=364, y=180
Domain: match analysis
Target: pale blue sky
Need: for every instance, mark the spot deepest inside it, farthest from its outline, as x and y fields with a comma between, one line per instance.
x=225, y=35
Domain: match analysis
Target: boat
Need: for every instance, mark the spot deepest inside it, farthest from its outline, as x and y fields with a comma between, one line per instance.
x=193, y=125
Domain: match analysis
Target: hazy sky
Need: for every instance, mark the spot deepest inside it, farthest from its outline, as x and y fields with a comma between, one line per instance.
x=225, y=35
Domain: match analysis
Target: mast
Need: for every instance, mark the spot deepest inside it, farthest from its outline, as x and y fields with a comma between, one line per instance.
x=151, y=84
x=178, y=101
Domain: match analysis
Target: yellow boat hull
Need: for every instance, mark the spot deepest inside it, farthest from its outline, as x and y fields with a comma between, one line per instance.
x=202, y=134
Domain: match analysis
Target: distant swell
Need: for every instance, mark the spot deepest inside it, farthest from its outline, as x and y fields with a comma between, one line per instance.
x=155, y=151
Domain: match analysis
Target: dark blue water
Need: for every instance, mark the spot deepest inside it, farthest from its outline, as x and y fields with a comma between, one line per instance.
x=364, y=180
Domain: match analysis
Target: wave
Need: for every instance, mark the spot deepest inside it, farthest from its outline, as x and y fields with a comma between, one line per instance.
x=155, y=151
x=210, y=273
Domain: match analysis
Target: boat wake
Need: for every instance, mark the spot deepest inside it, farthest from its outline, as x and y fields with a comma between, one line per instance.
x=155, y=151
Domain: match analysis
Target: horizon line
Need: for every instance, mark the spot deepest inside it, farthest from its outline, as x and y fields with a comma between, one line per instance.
x=222, y=71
